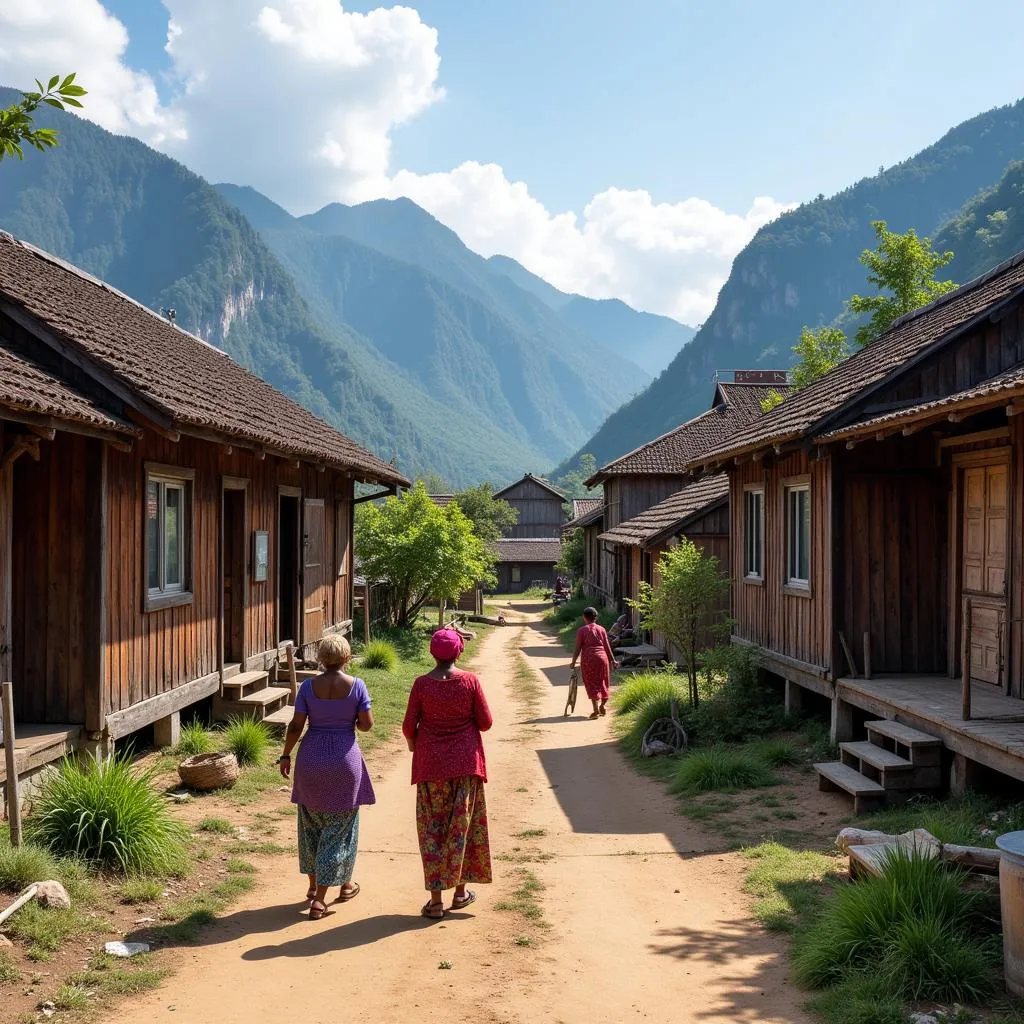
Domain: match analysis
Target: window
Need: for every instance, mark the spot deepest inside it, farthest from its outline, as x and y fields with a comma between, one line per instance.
x=753, y=534
x=168, y=538
x=517, y=576
x=798, y=535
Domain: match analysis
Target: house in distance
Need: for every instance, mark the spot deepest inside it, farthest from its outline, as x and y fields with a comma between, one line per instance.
x=530, y=551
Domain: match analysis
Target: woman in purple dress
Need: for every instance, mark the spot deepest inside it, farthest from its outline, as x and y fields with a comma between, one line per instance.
x=331, y=780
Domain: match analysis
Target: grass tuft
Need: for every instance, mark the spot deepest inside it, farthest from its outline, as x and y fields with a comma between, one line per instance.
x=219, y=825
x=787, y=884
x=194, y=739
x=9, y=974
x=642, y=687
x=72, y=997
x=237, y=866
x=21, y=866
x=524, y=898
x=247, y=739
x=379, y=654
x=141, y=890
x=108, y=976
x=719, y=768
x=777, y=753
x=105, y=813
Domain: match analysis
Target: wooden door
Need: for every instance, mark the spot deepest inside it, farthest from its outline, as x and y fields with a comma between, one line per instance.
x=985, y=537
x=234, y=571
x=314, y=591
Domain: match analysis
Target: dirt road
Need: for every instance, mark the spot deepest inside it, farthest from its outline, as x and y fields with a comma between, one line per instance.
x=643, y=920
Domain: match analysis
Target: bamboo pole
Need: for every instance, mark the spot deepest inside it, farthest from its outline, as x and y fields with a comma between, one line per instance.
x=13, y=801
x=28, y=894
x=293, y=682
x=965, y=683
x=366, y=611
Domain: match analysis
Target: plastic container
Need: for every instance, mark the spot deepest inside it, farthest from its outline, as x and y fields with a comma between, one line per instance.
x=1011, y=901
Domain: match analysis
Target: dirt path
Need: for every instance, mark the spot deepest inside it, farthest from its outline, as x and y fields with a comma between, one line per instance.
x=644, y=922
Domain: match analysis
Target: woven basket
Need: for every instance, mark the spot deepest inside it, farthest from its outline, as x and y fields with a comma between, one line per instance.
x=209, y=771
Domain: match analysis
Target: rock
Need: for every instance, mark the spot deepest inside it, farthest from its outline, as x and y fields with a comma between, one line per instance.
x=52, y=895
x=923, y=1018
x=5, y=943
x=181, y=796
x=126, y=949
x=144, y=920
x=48, y=1009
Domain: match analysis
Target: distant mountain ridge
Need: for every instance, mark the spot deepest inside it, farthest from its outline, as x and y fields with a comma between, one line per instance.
x=802, y=267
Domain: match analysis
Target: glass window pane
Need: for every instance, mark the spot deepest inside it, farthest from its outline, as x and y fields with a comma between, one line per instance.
x=172, y=536
x=805, y=535
x=153, y=534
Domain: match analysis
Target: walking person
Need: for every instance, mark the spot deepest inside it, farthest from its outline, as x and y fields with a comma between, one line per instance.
x=331, y=781
x=594, y=653
x=446, y=715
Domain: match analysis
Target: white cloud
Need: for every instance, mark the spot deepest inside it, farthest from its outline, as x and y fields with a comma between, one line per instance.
x=300, y=98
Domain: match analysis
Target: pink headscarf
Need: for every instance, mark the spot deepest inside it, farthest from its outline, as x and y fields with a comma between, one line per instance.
x=446, y=645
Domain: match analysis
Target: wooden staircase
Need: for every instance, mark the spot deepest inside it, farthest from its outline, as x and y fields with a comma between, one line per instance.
x=892, y=763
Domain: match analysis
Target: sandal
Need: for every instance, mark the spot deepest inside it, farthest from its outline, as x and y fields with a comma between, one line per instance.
x=318, y=909
x=461, y=904
x=603, y=711
x=435, y=911
x=596, y=714
x=311, y=893
x=349, y=894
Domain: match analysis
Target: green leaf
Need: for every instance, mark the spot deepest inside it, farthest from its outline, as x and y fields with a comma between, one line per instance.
x=53, y=102
x=67, y=81
x=71, y=103
x=53, y=82
x=73, y=90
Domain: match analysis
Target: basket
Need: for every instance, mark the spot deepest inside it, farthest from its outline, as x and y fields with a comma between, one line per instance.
x=209, y=771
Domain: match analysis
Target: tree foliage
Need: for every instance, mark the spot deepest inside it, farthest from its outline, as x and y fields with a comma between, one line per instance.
x=17, y=122
x=571, y=483
x=817, y=351
x=572, y=562
x=491, y=517
x=419, y=551
x=688, y=604
x=903, y=268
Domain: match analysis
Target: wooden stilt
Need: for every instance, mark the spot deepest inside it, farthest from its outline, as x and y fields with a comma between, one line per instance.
x=13, y=801
x=293, y=682
x=867, y=655
x=965, y=684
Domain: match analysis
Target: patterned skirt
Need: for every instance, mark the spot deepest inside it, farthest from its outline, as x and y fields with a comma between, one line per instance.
x=595, y=672
x=451, y=822
x=328, y=842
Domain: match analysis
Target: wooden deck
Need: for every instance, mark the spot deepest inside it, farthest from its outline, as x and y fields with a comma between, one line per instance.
x=38, y=745
x=994, y=736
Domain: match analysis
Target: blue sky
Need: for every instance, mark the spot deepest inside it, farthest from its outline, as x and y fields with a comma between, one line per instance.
x=626, y=151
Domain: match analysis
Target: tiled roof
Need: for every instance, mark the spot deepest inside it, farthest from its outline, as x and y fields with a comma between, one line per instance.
x=547, y=484
x=586, y=519
x=667, y=515
x=736, y=406
x=516, y=549
x=28, y=387
x=989, y=392
x=191, y=383
x=814, y=409
x=441, y=499
x=581, y=506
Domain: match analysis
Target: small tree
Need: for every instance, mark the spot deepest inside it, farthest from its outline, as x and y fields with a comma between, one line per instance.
x=16, y=121
x=817, y=351
x=571, y=483
x=491, y=517
x=572, y=560
x=687, y=605
x=420, y=550
x=905, y=267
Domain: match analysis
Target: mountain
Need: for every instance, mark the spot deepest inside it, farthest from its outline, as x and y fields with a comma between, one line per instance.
x=547, y=293
x=801, y=268
x=160, y=233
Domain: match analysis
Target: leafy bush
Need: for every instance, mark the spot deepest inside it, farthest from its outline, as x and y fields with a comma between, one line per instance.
x=194, y=739
x=720, y=768
x=21, y=866
x=247, y=739
x=105, y=813
x=640, y=688
x=379, y=654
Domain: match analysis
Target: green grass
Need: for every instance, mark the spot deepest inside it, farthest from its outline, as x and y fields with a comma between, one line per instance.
x=247, y=739
x=44, y=931
x=9, y=974
x=522, y=940
x=194, y=739
x=568, y=617
x=721, y=768
x=237, y=866
x=23, y=865
x=788, y=885
x=636, y=723
x=109, y=976
x=860, y=1000
x=141, y=890
x=265, y=848
x=524, y=899
x=109, y=814
x=969, y=820
x=72, y=997
x=379, y=654
x=777, y=753
x=252, y=784
x=233, y=887
x=638, y=689
x=531, y=833
x=219, y=825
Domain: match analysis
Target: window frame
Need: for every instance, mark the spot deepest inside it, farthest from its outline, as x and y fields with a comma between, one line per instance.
x=515, y=574
x=181, y=479
x=795, y=584
x=343, y=519
x=753, y=578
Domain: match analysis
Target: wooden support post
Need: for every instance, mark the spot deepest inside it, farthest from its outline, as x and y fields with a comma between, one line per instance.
x=794, y=697
x=366, y=611
x=13, y=801
x=440, y=613
x=964, y=775
x=867, y=655
x=167, y=730
x=965, y=663
x=293, y=682
x=841, y=728
x=850, y=663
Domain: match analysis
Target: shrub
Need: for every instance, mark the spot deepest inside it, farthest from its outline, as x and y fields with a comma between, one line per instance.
x=720, y=768
x=247, y=739
x=741, y=707
x=379, y=654
x=777, y=753
x=194, y=739
x=141, y=890
x=105, y=813
x=23, y=865
x=653, y=708
x=642, y=687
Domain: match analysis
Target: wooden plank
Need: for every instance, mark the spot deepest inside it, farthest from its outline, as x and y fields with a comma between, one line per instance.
x=848, y=779
x=876, y=756
x=904, y=734
x=6, y=566
x=13, y=797
x=96, y=622
x=137, y=716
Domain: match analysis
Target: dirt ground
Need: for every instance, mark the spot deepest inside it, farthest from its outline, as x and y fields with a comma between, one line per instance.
x=641, y=917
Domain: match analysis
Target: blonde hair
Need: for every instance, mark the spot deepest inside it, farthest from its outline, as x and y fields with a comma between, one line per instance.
x=333, y=652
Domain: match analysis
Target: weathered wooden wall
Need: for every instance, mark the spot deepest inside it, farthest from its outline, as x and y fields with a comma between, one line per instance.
x=541, y=513
x=628, y=496
x=543, y=573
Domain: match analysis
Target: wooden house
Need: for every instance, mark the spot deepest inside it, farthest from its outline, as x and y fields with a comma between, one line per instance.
x=540, y=505
x=167, y=519
x=522, y=562
x=588, y=516
x=657, y=471
x=878, y=542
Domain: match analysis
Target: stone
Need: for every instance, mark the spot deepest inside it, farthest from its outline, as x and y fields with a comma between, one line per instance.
x=923, y=1018
x=181, y=796
x=52, y=895
x=126, y=949
x=5, y=943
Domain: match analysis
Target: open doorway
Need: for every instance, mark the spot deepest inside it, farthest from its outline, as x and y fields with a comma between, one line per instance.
x=234, y=574
x=288, y=573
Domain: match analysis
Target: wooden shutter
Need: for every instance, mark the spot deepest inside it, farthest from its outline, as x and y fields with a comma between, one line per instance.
x=314, y=592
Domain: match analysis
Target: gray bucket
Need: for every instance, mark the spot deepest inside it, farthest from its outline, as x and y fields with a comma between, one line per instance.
x=1011, y=901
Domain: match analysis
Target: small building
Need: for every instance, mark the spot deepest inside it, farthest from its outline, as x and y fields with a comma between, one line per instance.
x=168, y=520
x=588, y=516
x=523, y=562
x=541, y=507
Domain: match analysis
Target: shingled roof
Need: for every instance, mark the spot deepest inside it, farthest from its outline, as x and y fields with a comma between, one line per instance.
x=735, y=406
x=671, y=514
x=588, y=517
x=546, y=484
x=191, y=383
x=820, y=406
x=519, y=549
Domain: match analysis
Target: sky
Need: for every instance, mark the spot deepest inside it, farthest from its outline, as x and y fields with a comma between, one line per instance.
x=624, y=151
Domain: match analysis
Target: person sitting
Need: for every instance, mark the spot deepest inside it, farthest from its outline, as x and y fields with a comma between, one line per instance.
x=622, y=631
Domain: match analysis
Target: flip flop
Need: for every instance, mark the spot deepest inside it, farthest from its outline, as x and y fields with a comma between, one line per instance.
x=318, y=909
x=458, y=904
x=344, y=897
x=429, y=911
x=596, y=714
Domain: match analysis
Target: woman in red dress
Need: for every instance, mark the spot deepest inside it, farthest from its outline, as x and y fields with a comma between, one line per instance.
x=594, y=652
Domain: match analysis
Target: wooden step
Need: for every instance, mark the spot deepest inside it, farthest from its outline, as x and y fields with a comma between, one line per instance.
x=876, y=756
x=889, y=768
x=867, y=794
x=263, y=698
x=281, y=718
x=301, y=674
x=902, y=734
x=244, y=682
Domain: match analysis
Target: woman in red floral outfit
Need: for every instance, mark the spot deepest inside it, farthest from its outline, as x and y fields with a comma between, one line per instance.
x=594, y=652
x=447, y=712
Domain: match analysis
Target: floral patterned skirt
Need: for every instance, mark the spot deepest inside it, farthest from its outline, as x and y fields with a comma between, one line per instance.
x=328, y=843
x=451, y=822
